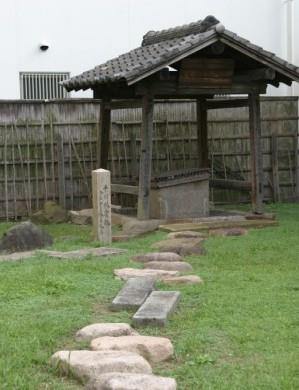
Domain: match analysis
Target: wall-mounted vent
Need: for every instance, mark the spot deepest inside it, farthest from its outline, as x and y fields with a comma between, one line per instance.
x=43, y=85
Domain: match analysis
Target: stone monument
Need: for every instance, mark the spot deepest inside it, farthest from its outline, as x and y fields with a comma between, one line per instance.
x=101, y=198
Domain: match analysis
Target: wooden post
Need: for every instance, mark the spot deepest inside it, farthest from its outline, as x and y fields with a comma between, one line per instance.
x=104, y=134
x=143, y=211
x=275, y=175
x=256, y=153
x=101, y=199
x=296, y=163
x=202, y=133
x=61, y=171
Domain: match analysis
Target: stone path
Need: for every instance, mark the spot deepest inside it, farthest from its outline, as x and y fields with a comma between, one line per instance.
x=133, y=294
x=157, y=274
x=81, y=253
x=156, y=309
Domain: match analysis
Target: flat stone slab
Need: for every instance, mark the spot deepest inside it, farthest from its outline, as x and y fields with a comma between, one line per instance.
x=179, y=266
x=156, y=274
x=119, y=381
x=93, y=331
x=81, y=253
x=157, y=308
x=88, y=365
x=229, y=232
x=187, y=234
x=133, y=294
x=157, y=256
x=153, y=349
x=219, y=223
x=185, y=279
x=181, y=246
x=17, y=256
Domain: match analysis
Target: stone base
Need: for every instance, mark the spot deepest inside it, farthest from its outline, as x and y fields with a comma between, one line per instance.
x=186, y=200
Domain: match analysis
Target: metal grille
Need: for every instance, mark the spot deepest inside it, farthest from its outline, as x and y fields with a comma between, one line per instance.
x=43, y=85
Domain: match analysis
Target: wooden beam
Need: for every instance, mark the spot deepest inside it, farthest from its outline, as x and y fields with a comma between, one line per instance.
x=202, y=133
x=255, y=75
x=170, y=89
x=124, y=189
x=128, y=103
x=104, y=135
x=226, y=103
x=238, y=185
x=143, y=211
x=256, y=153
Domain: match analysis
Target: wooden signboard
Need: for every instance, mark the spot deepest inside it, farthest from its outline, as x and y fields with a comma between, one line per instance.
x=206, y=72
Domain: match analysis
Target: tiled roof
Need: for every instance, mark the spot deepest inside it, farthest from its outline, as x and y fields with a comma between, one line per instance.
x=162, y=48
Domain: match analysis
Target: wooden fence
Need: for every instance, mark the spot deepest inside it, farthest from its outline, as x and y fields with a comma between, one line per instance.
x=48, y=149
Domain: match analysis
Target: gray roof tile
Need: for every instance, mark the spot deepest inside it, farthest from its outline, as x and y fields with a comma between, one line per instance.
x=162, y=48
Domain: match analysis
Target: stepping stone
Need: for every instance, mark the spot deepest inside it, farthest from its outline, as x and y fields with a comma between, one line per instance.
x=119, y=381
x=156, y=309
x=157, y=256
x=17, y=256
x=181, y=246
x=185, y=279
x=81, y=253
x=180, y=266
x=104, y=329
x=187, y=234
x=88, y=365
x=153, y=349
x=228, y=232
x=133, y=294
x=156, y=274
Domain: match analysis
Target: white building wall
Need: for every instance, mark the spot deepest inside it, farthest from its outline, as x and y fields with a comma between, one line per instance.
x=82, y=34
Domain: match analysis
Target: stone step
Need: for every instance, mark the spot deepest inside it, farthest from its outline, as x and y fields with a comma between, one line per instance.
x=116, y=381
x=88, y=365
x=185, y=279
x=133, y=293
x=179, y=266
x=157, y=256
x=153, y=349
x=113, y=329
x=157, y=308
x=157, y=274
x=82, y=253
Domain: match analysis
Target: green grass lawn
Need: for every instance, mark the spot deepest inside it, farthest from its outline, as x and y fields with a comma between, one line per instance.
x=240, y=330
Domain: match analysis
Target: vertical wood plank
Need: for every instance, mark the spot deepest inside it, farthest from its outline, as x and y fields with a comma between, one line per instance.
x=275, y=172
x=103, y=137
x=5, y=173
x=143, y=211
x=202, y=133
x=61, y=171
x=134, y=167
x=256, y=153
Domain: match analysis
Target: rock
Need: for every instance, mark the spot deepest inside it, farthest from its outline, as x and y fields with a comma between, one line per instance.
x=81, y=217
x=17, y=256
x=104, y=329
x=186, y=234
x=136, y=227
x=157, y=308
x=181, y=246
x=88, y=365
x=252, y=216
x=156, y=274
x=185, y=279
x=229, y=232
x=51, y=213
x=179, y=266
x=153, y=349
x=81, y=253
x=133, y=294
x=157, y=256
x=24, y=237
x=119, y=381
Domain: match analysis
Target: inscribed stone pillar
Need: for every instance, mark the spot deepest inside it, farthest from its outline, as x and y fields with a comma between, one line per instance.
x=101, y=198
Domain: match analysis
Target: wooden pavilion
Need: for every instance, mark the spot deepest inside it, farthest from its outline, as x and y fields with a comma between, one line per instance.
x=201, y=61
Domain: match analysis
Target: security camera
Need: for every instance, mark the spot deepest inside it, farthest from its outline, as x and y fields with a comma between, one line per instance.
x=44, y=46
